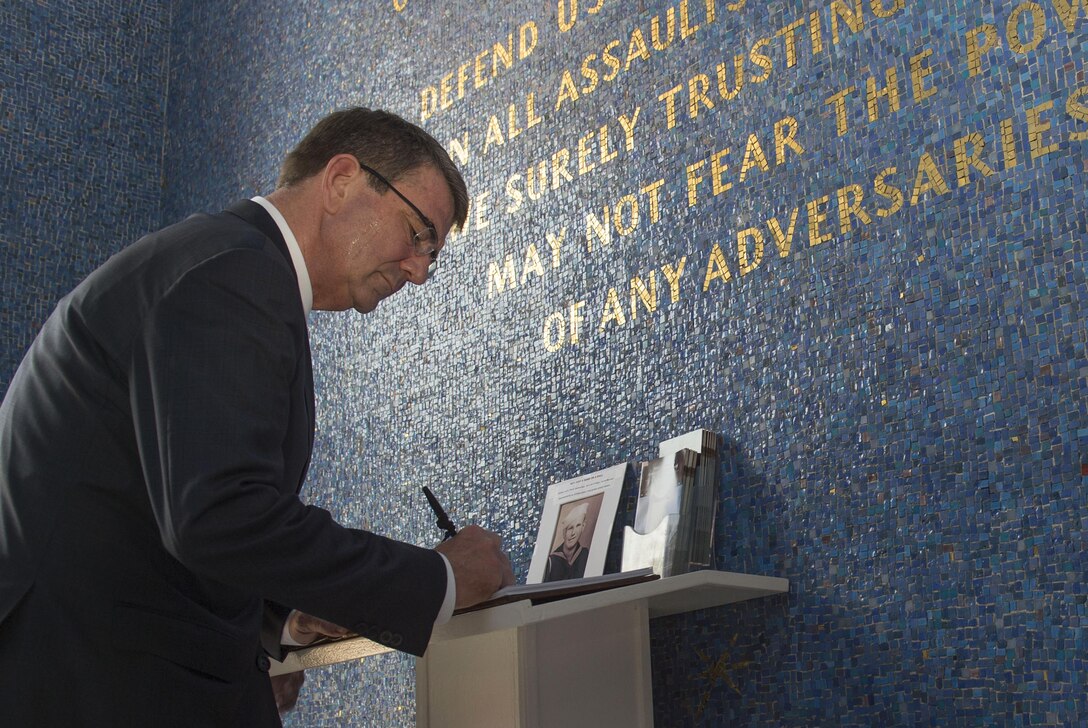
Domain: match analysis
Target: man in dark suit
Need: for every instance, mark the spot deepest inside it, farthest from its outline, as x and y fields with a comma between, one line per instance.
x=155, y=437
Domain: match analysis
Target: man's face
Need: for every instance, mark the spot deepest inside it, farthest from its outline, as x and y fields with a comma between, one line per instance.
x=373, y=238
x=573, y=532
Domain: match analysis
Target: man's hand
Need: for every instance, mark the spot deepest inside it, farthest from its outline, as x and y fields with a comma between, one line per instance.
x=285, y=688
x=305, y=628
x=480, y=568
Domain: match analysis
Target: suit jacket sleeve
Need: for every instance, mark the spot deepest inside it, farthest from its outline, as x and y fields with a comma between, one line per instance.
x=210, y=386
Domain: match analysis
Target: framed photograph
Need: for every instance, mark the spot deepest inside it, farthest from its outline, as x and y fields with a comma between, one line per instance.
x=575, y=526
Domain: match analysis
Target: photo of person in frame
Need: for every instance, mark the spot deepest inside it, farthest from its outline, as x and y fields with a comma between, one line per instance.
x=572, y=539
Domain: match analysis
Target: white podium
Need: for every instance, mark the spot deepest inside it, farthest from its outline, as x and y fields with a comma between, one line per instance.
x=582, y=661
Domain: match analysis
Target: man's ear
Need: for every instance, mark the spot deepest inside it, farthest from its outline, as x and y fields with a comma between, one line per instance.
x=340, y=172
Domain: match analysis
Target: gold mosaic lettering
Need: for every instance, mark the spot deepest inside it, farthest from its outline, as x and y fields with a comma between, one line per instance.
x=854, y=18
x=1038, y=28
x=576, y=320
x=527, y=38
x=1036, y=128
x=839, y=102
x=965, y=161
x=568, y=14
x=628, y=124
x=1008, y=144
x=761, y=59
x=817, y=213
x=532, y=264
x=607, y=154
x=718, y=168
x=919, y=72
x=851, y=207
x=1068, y=12
x=479, y=69
x=753, y=157
x=693, y=181
x=927, y=178
x=595, y=229
x=784, y=240
x=976, y=46
x=462, y=78
x=536, y=180
x=513, y=193
x=672, y=275
x=499, y=279
x=512, y=130
x=670, y=29
x=428, y=102
x=458, y=149
x=584, y=165
x=555, y=331
x=887, y=191
x=611, y=60
x=877, y=6
x=697, y=86
x=629, y=203
x=503, y=54
x=612, y=312
x=590, y=74
x=738, y=77
x=745, y=261
x=890, y=92
x=567, y=91
x=561, y=167
x=636, y=49
x=494, y=134
x=785, y=135
x=790, y=34
x=716, y=268
x=445, y=88
x=640, y=292
x=1077, y=110
x=555, y=242
x=669, y=97
x=686, y=28
x=653, y=190
x=815, y=32
x=481, y=210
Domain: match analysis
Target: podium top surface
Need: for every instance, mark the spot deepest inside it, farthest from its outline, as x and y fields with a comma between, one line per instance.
x=663, y=597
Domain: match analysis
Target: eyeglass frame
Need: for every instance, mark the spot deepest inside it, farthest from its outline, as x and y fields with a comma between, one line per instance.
x=419, y=244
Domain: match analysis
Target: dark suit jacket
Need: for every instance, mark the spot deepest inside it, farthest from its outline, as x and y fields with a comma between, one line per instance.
x=152, y=444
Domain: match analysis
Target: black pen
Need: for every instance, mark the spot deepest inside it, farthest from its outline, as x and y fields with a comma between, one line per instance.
x=444, y=521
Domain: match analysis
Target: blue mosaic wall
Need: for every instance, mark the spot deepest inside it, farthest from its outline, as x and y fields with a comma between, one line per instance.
x=896, y=356
x=82, y=93
x=900, y=373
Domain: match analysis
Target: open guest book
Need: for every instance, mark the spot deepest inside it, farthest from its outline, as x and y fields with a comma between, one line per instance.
x=554, y=590
x=536, y=593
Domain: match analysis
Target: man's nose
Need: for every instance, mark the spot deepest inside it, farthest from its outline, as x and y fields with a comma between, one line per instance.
x=416, y=267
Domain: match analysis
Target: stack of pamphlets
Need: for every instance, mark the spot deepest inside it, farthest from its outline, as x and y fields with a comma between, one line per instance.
x=673, y=531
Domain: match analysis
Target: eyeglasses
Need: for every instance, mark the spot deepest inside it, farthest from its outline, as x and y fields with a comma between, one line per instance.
x=424, y=242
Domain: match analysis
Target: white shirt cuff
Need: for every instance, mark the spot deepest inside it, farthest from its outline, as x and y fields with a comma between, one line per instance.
x=450, y=602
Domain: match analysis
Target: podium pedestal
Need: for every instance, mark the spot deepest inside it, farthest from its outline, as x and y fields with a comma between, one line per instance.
x=582, y=661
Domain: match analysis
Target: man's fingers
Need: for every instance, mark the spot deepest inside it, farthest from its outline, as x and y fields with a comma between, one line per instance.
x=479, y=565
x=306, y=628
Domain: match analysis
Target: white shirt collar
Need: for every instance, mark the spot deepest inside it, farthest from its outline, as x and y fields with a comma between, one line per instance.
x=305, y=290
